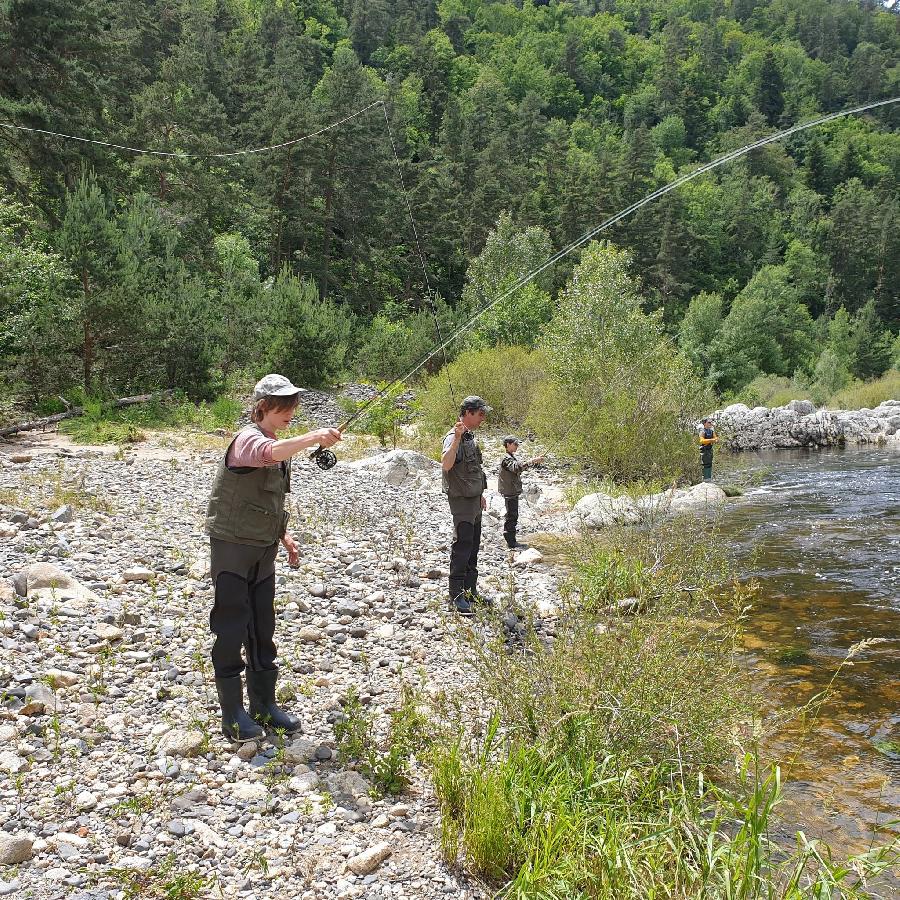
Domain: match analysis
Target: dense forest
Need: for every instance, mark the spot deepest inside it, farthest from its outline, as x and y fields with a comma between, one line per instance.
x=517, y=126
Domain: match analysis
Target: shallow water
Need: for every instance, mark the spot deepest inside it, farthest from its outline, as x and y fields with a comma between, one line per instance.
x=821, y=533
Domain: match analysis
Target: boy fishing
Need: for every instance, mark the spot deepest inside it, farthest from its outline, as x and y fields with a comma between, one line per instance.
x=509, y=484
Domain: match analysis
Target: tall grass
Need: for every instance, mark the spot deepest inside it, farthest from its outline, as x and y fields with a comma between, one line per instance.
x=617, y=760
x=101, y=425
x=868, y=394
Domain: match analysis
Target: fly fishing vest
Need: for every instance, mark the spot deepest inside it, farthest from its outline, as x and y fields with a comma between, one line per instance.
x=466, y=478
x=246, y=505
x=509, y=478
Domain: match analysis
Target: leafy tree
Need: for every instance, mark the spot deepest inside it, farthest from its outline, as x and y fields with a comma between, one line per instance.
x=770, y=89
x=870, y=345
x=766, y=330
x=508, y=255
x=35, y=315
x=698, y=329
x=87, y=238
x=618, y=396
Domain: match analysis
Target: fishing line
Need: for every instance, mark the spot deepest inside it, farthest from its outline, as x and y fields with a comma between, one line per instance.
x=593, y=232
x=180, y=155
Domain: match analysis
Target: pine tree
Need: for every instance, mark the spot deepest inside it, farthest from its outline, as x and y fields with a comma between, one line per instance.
x=87, y=238
x=770, y=89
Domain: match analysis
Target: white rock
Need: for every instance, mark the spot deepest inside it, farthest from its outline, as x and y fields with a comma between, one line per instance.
x=699, y=497
x=528, y=557
x=49, y=582
x=369, y=860
x=303, y=784
x=138, y=573
x=61, y=677
x=247, y=790
x=108, y=632
x=397, y=467
x=12, y=762
x=179, y=742
x=600, y=510
x=85, y=800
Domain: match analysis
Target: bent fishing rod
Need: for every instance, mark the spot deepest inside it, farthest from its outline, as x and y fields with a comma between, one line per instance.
x=325, y=459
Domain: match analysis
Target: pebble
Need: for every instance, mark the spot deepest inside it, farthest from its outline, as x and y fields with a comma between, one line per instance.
x=369, y=860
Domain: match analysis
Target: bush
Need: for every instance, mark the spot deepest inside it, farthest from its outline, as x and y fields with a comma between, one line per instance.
x=618, y=396
x=381, y=418
x=868, y=395
x=507, y=377
x=773, y=390
x=395, y=340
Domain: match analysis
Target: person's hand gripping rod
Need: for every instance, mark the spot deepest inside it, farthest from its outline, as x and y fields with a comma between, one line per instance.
x=323, y=457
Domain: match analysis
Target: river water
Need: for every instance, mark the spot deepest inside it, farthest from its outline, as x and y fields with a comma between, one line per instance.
x=820, y=531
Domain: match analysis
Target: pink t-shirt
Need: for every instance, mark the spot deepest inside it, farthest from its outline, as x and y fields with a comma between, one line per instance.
x=251, y=447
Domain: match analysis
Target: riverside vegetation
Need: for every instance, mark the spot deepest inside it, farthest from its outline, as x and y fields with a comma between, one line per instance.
x=620, y=759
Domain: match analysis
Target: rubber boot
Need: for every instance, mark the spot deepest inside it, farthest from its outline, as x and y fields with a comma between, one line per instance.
x=236, y=724
x=263, y=708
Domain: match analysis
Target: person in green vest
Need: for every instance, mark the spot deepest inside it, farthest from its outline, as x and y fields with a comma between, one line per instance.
x=246, y=521
x=708, y=437
x=464, y=484
x=509, y=484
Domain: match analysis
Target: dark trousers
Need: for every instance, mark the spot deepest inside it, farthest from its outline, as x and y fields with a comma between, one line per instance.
x=706, y=460
x=243, y=613
x=464, y=558
x=511, y=522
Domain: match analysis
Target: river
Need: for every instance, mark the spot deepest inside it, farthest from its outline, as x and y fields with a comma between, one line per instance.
x=820, y=530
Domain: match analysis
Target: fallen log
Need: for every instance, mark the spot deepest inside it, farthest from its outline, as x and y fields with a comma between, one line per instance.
x=76, y=411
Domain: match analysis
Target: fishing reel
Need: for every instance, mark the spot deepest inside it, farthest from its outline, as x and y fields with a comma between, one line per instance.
x=324, y=458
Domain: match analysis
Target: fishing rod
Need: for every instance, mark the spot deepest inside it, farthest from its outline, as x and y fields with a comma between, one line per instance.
x=326, y=459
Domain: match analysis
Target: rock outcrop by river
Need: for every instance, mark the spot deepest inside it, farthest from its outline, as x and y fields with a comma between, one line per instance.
x=800, y=424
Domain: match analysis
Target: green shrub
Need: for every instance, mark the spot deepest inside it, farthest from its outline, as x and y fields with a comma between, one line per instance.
x=397, y=339
x=507, y=378
x=618, y=396
x=868, y=394
x=381, y=418
x=773, y=390
x=309, y=337
x=386, y=762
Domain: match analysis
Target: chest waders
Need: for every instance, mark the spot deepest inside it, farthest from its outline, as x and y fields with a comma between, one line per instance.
x=706, y=455
x=464, y=484
x=246, y=519
x=509, y=484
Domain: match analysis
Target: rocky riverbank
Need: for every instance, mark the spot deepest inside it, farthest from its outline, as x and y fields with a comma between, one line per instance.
x=110, y=755
x=110, y=750
x=800, y=424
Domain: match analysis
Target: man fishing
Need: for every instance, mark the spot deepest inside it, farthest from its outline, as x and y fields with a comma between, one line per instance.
x=708, y=437
x=464, y=484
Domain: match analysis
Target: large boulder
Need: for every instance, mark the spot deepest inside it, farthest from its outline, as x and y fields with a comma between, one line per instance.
x=45, y=581
x=697, y=498
x=803, y=407
x=399, y=467
x=601, y=510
